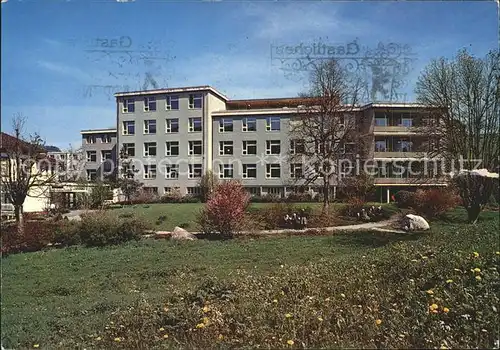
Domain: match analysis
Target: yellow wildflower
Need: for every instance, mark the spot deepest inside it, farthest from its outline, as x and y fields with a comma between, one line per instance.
x=476, y=254
x=288, y=315
x=206, y=309
x=477, y=270
x=378, y=322
x=165, y=336
x=200, y=325
x=497, y=253
x=446, y=310
x=220, y=337
x=161, y=329
x=275, y=300
x=430, y=292
x=205, y=320
x=320, y=319
x=282, y=293
x=478, y=278
x=342, y=295
x=449, y=281
x=443, y=347
x=117, y=340
x=36, y=345
x=98, y=338
x=111, y=322
x=433, y=307
x=290, y=342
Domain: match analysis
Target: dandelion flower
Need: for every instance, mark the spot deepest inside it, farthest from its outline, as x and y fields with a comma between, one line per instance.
x=320, y=319
x=36, y=345
x=165, y=336
x=282, y=293
x=449, y=281
x=378, y=322
x=342, y=295
x=288, y=315
x=478, y=278
x=446, y=310
x=200, y=325
x=206, y=309
x=161, y=329
x=275, y=301
x=220, y=337
x=205, y=320
x=111, y=322
x=98, y=338
x=497, y=253
x=430, y=292
x=290, y=342
x=477, y=270
x=117, y=340
x=476, y=254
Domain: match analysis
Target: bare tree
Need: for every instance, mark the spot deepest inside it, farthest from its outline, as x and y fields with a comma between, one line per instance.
x=26, y=171
x=125, y=177
x=325, y=132
x=467, y=124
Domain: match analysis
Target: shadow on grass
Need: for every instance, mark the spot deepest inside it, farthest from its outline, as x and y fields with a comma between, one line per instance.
x=376, y=238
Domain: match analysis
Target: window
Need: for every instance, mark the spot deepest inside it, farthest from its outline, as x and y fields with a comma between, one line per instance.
x=172, y=148
x=273, y=171
x=297, y=146
x=106, y=155
x=194, y=124
x=407, y=122
x=296, y=170
x=167, y=190
x=249, y=124
x=275, y=191
x=91, y=156
x=193, y=191
x=149, y=149
x=129, y=127
x=151, y=190
x=249, y=148
x=91, y=174
x=254, y=191
x=149, y=104
x=273, y=147
x=128, y=105
x=225, y=148
x=404, y=145
x=380, y=146
x=172, y=171
x=90, y=139
x=150, y=126
x=195, y=101
x=226, y=171
x=225, y=125
x=172, y=125
x=172, y=103
x=249, y=171
x=273, y=123
x=195, y=148
x=381, y=121
x=150, y=171
x=106, y=139
x=129, y=149
x=195, y=171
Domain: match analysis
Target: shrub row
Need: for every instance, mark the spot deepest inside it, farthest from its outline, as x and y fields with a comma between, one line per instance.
x=430, y=203
x=94, y=230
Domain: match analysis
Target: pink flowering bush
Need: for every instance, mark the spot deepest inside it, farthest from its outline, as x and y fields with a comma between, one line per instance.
x=224, y=212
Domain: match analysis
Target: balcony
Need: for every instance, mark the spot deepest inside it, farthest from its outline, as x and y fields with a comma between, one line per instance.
x=399, y=154
x=394, y=130
x=410, y=181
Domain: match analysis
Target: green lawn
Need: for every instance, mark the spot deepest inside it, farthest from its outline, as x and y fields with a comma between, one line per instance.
x=182, y=214
x=67, y=298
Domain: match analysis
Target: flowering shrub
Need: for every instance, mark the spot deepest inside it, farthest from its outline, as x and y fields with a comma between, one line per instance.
x=224, y=212
x=434, y=202
x=353, y=206
x=404, y=199
x=36, y=236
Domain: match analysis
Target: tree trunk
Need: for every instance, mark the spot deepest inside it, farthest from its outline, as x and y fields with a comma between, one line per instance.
x=326, y=199
x=18, y=210
x=473, y=213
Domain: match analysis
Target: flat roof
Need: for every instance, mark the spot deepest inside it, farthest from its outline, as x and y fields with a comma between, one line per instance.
x=173, y=90
x=98, y=131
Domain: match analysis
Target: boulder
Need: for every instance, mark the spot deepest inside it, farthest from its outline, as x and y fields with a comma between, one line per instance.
x=415, y=223
x=180, y=234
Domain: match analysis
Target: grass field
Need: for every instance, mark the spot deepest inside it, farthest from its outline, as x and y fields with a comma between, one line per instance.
x=182, y=214
x=271, y=292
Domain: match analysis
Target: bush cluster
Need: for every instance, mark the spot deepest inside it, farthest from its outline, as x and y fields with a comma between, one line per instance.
x=429, y=203
x=35, y=236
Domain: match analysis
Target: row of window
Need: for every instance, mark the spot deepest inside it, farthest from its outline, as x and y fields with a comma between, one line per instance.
x=171, y=103
x=195, y=125
x=91, y=139
x=105, y=155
